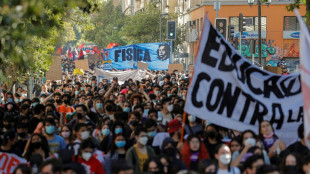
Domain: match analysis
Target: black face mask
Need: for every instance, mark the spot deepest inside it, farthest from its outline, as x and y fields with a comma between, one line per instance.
x=22, y=134
x=36, y=145
x=67, y=101
x=7, y=126
x=57, y=100
x=211, y=134
x=79, y=115
x=290, y=169
x=109, y=108
x=169, y=151
x=210, y=173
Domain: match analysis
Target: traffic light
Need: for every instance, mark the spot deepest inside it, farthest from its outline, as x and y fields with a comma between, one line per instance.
x=221, y=26
x=242, y=24
x=231, y=31
x=171, y=30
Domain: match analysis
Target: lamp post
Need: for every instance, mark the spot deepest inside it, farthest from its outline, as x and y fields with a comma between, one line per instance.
x=251, y=2
x=162, y=14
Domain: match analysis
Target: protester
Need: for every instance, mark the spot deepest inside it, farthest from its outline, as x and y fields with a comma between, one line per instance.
x=116, y=126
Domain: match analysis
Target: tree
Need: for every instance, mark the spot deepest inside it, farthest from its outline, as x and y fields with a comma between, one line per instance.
x=144, y=27
x=106, y=24
x=30, y=29
x=296, y=4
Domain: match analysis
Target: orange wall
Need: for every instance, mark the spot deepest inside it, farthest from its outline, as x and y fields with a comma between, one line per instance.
x=274, y=13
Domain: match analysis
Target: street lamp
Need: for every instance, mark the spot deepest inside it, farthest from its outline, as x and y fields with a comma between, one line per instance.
x=114, y=28
x=162, y=14
x=251, y=2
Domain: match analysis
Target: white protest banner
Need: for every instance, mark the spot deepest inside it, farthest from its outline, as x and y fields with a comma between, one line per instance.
x=9, y=161
x=305, y=73
x=228, y=90
x=121, y=75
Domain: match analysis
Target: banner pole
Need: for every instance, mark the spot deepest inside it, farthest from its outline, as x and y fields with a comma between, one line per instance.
x=183, y=124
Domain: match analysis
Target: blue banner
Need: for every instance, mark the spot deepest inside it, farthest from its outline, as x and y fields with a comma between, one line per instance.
x=157, y=55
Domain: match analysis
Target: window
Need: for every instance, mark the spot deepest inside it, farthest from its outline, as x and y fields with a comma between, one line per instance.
x=291, y=23
x=201, y=23
x=197, y=25
x=251, y=23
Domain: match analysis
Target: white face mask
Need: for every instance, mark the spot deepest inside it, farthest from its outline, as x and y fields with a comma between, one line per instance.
x=225, y=158
x=86, y=155
x=143, y=140
x=250, y=141
x=84, y=135
x=191, y=118
x=170, y=108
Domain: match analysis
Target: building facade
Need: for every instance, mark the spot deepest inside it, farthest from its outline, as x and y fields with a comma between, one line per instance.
x=280, y=28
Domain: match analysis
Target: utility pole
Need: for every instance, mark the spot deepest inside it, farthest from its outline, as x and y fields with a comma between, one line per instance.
x=259, y=32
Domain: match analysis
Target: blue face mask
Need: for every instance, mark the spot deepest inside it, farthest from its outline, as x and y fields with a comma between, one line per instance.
x=76, y=92
x=99, y=105
x=105, y=132
x=17, y=100
x=120, y=144
x=34, y=104
x=151, y=134
x=168, y=95
x=83, y=88
x=118, y=130
x=85, y=81
x=126, y=109
x=146, y=111
x=49, y=129
x=41, y=100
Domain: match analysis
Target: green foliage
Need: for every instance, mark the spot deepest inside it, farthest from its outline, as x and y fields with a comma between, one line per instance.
x=107, y=20
x=29, y=31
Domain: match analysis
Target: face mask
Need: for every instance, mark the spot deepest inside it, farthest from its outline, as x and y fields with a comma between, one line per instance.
x=290, y=169
x=17, y=100
x=99, y=105
x=211, y=134
x=109, y=108
x=191, y=118
x=57, y=100
x=22, y=134
x=24, y=95
x=50, y=129
x=86, y=155
x=168, y=95
x=83, y=88
x=67, y=101
x=84, y=135
x=250, y=141
x=169, y=151
x=170, y=108
x=126, y=109
x=269, y=136
x=76, y=92
x=41, y=100
x=120, y=144
x=79, y=116
x=85, y=81
x=7, y=126
x=143, y=140
x=118, y=130
x=65, y=134
x=36, y=145
x=105, y=132
x=210, y=173
x=151, y=134
x=156, y=92
x=34, y=104
x=146, y=111
x=9, y=106
x=225, y=159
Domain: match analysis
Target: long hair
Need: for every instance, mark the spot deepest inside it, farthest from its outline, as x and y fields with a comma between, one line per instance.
x=45, y=146
x=186, y=152
x=114, y=147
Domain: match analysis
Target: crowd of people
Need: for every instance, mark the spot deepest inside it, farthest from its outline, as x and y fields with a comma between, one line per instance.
x=82, y=125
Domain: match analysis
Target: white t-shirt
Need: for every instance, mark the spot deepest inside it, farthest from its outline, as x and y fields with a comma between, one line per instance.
x=233, y=170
